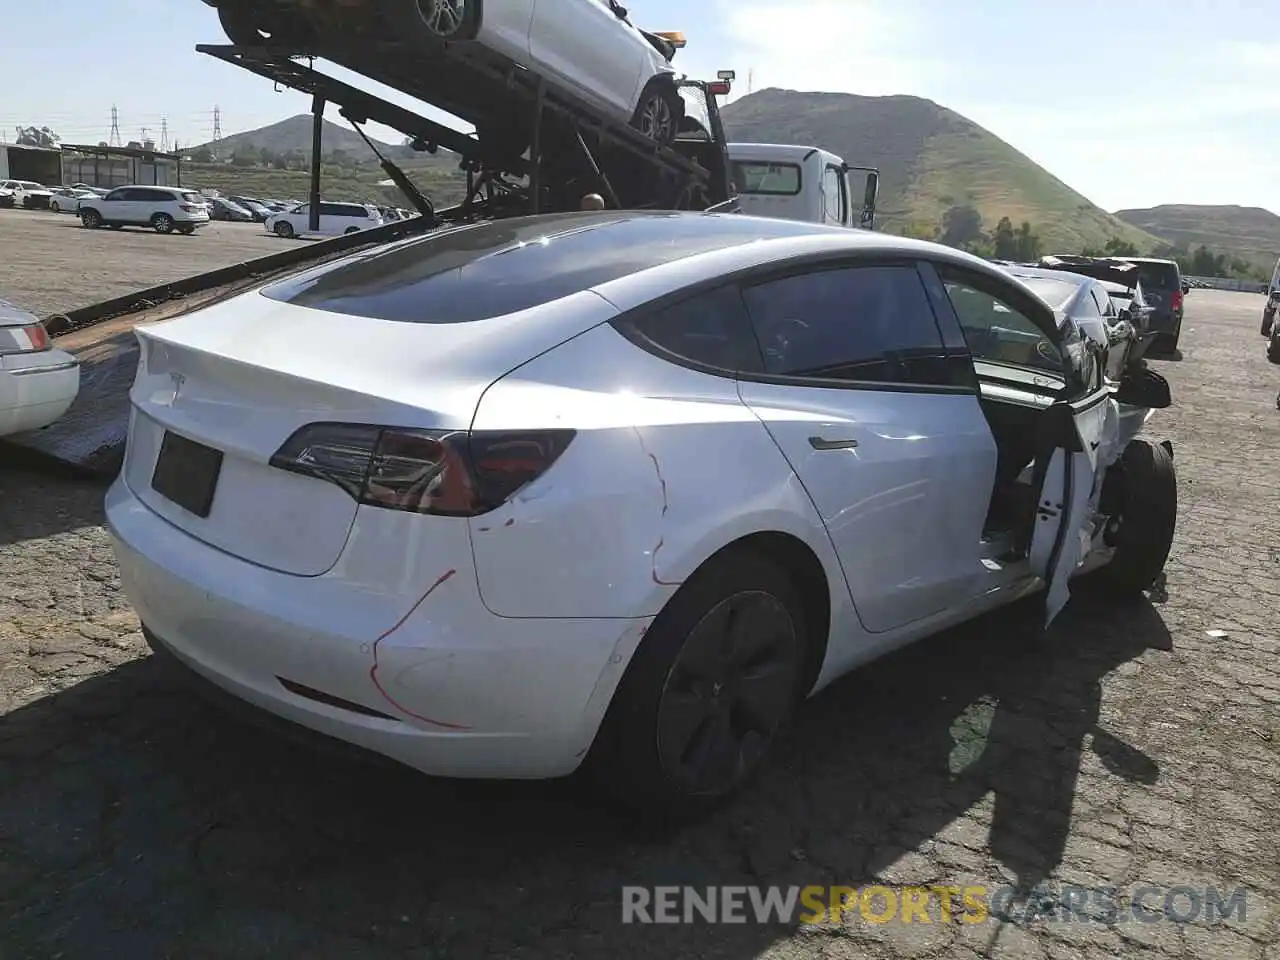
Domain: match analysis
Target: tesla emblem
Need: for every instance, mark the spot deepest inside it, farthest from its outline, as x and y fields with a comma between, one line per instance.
x=178, y=381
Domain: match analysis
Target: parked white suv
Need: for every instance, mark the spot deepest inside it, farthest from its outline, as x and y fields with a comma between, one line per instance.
x=335, y=219
x=164, y=209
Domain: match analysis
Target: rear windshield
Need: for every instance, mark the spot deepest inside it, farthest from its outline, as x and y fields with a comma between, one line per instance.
x=1056, y=293
x=192, y=197
x=493, y=269
x=1159, y=276
x=763, y=177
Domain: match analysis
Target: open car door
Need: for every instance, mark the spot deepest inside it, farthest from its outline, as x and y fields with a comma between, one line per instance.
x=1074, y=445
x=1009, y=329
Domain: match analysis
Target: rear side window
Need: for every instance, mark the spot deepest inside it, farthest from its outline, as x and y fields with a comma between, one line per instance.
x=860, y=323
x=1159, y=276
x=708, y=329
x=769, y=179
x=505, y=266
x=1056, y=293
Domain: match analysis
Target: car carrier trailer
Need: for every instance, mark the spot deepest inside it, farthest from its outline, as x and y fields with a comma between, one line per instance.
x=572, y=151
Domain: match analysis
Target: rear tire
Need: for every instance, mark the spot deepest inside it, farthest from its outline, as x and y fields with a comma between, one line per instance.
x=162, y=223
x=1142, y=532
x=660, y=111
x=284, y=230
x=1273, y=347
x=711, y=688
x=249, y=27
x=1268, y=318
x=91, y=219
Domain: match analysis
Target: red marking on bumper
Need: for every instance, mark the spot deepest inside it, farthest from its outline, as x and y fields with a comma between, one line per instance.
x=373, y=671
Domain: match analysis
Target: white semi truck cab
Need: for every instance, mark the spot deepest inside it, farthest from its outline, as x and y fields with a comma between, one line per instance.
x=793, y=182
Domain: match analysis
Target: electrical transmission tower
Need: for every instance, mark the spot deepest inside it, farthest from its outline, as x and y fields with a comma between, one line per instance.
x=114, y=139
x=164, y=134
x=217, y=128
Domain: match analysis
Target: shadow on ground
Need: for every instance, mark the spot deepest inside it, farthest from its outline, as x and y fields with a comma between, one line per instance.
x=139, y=821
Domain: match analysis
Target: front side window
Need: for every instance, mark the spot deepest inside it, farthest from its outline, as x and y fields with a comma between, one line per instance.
x=835, y=199
x=997, y=332
x=870, y=324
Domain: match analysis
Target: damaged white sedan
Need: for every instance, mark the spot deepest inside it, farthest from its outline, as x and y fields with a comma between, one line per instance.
x=615, y=489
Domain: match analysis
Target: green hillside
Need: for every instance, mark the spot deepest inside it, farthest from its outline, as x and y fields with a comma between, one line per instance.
x=439, y=181
x=1251, y=233
x=931, y=159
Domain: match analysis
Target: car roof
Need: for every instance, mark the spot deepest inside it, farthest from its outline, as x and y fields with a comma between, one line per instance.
x=1142, y=260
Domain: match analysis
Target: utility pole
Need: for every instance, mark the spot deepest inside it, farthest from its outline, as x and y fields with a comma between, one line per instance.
x=217, y=130
x=114, y=139
x=164, y=134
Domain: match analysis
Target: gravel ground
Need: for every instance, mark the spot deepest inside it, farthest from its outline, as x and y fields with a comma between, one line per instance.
x=1128, y=746
x=50, y=264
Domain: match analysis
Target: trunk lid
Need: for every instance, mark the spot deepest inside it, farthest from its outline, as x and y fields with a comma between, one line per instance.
x=242, y=376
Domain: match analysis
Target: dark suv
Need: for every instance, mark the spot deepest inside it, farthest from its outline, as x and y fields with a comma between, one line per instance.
x=1164, y=289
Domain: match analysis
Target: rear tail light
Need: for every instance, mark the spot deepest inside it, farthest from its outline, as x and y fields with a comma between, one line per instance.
x=1176, y=300
x=32, y=338
x=449, y=473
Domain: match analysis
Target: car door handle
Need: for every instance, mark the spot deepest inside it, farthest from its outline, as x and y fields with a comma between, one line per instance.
x=821, y=443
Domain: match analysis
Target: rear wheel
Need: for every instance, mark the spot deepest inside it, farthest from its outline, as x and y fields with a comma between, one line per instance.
x=246, y=24
x=708, y=692
x=660, y=111
x=284, y=229
x=162, y=223
x=1273, y=347
x=91, y=219
x=1141, y=490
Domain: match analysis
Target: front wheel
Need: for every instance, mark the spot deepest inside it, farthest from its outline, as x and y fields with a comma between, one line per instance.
x=54, y=207
x=438, y=21
x=284, y=230
x=162, y=223
x=1144, y=495
x=91, y=219
x=659, y=113
x=709, y=691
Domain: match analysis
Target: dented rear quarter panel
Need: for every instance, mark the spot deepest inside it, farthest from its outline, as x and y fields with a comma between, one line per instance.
x=667, y=468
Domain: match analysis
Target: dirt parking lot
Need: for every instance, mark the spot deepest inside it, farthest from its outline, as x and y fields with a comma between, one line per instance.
x=49, y=263
x=1130, y=746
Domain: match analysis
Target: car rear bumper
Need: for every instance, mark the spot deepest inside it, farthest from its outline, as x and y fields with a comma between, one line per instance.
x=446, y=688
x=35, y=394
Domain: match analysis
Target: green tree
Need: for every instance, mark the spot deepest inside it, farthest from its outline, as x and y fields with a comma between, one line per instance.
x=37, y=137
x=1027, y=243
x=1004, y=242
x=961, y=225
x=1120, y=248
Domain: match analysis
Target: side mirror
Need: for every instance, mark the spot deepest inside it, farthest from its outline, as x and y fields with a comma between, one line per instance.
x=1186, y=287
x=872, y=190
x=1144, y=388
x=1120, y=331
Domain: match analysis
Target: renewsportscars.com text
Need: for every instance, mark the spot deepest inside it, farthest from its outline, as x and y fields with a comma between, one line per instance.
x=932, y=904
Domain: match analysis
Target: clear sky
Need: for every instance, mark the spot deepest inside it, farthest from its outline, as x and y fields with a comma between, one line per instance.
x=1133, y=103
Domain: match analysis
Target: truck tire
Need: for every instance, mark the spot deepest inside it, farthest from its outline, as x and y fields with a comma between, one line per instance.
x=1273, y=346
x=677, y=740
x=1268, y=318
x=1146, y=495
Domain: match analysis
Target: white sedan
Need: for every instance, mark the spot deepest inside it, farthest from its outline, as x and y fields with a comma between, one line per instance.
x=37, y=382
x=617, y=486
x=589, y=47
x=67, y=199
